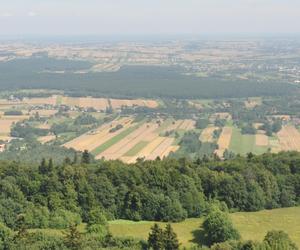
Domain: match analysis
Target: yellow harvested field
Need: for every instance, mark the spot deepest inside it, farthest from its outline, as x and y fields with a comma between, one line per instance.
x=44, y=112
x=161, y=149
x=7, y=121
x=289, y=138
x=103, y=103
x=170, y=149
x=5, y=126
x=45, y=139
x=261, y=140
x=86, y=102
x=119, y=149
x=207, y=134
x=175, y=125
x=187, y=125
x=151, y=103
x=157, y=140
x=93, y=139
x=30, y=101
x=5, y=138
x=39, y=101
x=144, y=141
x=224, y=141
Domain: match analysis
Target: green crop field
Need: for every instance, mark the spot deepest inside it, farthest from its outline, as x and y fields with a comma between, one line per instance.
x=137, y=148
x=243, y=144
x=251, y=225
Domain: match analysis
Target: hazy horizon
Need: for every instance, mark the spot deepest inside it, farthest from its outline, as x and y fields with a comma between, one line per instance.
x=145, y=18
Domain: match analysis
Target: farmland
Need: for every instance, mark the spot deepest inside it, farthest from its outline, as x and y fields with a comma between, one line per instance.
x=148, y=128
x=145, y=139
x=289, y=138
x=252, y=226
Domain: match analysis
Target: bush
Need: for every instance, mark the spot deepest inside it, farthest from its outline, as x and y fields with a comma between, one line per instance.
x=219, y=228
x=61, y=219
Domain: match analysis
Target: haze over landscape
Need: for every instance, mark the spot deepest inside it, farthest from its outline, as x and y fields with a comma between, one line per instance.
x=160, y=125
x=156, y=17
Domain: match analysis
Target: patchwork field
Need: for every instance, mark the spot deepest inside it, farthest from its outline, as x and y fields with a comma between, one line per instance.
x=103, y=103
x=207, y=134
x=251, y=225
x=91, y=140
x=134, y=140
x=82, y=102
x=231, y=138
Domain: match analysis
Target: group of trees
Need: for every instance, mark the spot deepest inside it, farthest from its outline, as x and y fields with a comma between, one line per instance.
x=52, y=195
x=85, y=119
x=25, y=130
x=192, y=147
x=159, y=239
x=271, y=128
x=160, y=190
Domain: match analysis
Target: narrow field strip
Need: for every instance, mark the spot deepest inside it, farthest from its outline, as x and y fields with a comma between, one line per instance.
x=225, y=140
x=113, y=140
x=137, y=148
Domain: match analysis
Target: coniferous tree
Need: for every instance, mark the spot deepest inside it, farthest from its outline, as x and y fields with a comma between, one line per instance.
x=156, y=238
x=170, y=239
x=73, y=239
x=43, y=167
x=50, y=165
x=86, y=158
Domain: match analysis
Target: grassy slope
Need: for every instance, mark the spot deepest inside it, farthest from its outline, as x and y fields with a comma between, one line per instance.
x=251, y=225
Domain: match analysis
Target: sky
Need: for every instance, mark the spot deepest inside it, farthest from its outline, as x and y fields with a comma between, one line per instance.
x=148, y=17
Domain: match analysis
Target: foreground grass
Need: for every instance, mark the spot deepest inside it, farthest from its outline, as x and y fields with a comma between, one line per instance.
x=252, y=226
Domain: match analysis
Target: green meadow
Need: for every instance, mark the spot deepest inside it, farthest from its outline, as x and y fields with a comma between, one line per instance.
x=251, y=225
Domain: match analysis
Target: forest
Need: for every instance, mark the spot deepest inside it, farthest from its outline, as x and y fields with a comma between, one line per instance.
x=129, y=81
x=47, y=195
